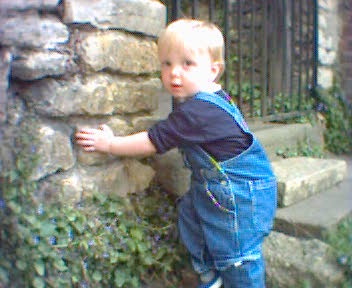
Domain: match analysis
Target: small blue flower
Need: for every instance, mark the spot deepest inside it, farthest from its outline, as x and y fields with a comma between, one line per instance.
x=83, y=284
x=70, y=235
x=33, y=149
x=36, y=239
x=40, y=209
x=91, y=243
x=52, y=240
x=2, y=204
x=108, y=228
x=342, y=260
x=85, y=264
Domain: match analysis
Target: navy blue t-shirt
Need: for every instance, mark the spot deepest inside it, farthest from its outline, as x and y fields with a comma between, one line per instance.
x=199, y=122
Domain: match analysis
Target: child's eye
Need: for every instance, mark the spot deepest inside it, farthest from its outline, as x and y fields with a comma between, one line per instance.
x=166, y=63
x=189, y=63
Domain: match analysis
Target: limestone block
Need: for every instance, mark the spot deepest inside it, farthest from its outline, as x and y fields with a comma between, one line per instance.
x=144, y=16
x=100, y=94
x=327, y=56
x=291, y=260
x=139, y=175
x=171, y=172
x=29, y=4
x=36, y=65
x=144, y=123
x=301, y=177
x=64, y=187
x=120, y=127
x=325, y=77
x=53, y=147
x=118, y=51
x=5, y=58
x=114, y=179
x=29, y=30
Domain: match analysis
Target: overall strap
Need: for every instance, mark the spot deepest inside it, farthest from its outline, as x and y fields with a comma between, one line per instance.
x=230, y=108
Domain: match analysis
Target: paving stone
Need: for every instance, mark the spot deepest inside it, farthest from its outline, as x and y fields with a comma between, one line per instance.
x=302, y=177
x=320, y=213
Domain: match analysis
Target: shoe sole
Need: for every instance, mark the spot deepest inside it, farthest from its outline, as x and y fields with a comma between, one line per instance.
x=217, y=283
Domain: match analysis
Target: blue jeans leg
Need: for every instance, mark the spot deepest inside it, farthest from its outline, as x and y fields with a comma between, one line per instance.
x=251, y=274
x=192, y=235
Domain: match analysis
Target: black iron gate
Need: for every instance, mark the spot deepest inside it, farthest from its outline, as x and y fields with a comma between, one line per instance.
x=270, y=52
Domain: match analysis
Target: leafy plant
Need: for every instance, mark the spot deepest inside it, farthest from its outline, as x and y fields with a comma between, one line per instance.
x=103, y=241
x=340, y=241
x=338, y=114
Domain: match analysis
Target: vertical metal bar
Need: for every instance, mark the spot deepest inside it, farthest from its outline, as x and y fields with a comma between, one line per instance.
x=175, y=9
x=285, y=61
x=315, y=45
x=300, y=56
x=239, y=53
x=195, y=9
x=211, y=11
x=307, y=48
x=272, y=54
x=292, y=47
x=264, y=70
x=227, y=43
x=252, y=57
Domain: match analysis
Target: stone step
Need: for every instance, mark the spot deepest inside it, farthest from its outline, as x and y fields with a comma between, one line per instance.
x=320, y=213
x=275, y=136
x=301, y=177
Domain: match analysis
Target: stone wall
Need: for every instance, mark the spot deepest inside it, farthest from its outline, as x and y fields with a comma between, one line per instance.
x=335, y=45
x=328, y=39
x=345, y=55
x=74, y=63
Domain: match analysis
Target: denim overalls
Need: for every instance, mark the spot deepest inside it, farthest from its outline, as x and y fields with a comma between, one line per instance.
x=229, y=208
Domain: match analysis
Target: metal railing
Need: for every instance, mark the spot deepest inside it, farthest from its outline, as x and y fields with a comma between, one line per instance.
x=270, y=50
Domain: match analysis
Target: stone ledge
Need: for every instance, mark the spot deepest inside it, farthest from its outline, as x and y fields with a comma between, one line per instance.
x=320, y=213
x=302, y=177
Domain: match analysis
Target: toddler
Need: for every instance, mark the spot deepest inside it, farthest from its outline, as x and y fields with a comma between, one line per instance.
x=230, y=206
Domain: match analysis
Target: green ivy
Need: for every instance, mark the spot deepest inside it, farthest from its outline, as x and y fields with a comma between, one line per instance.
x=340, y=241
x=338, y=114
x=103, y=241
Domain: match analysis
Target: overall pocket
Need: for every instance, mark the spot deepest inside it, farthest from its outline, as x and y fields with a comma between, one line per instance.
x=264, y=203
x=220, y=194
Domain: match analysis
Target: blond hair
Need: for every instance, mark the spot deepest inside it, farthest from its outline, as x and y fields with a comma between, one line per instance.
x=196, y=35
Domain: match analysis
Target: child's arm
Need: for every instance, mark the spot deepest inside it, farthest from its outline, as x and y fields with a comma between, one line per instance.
x=103, y=140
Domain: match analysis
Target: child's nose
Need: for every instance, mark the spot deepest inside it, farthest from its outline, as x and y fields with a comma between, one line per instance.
x=176, y=70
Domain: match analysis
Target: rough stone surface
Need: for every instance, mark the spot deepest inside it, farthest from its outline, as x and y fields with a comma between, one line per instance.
x=171, y=172
x=275, y=137
x=47, y=5
x=302, y=177
x=118, y=51
x=29, y=30
x=100, y=94
x=54, y=149
x=291, y=261
x=321, y=213
x=144, y=16
x=115, y=179
x=36, y=65
x=5, y=58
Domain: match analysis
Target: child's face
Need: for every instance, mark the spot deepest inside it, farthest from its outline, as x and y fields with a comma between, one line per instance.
x=184, y=72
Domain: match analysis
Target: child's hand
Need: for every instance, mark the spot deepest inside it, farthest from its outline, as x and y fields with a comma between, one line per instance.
x=92, y=140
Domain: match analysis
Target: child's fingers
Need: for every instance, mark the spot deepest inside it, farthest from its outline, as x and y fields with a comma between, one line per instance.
x=85, y=142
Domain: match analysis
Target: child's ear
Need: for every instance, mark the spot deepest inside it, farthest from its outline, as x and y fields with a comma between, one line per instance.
x=216, y=68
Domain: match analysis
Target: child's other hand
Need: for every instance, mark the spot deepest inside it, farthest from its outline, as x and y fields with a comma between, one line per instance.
x=92, y=140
